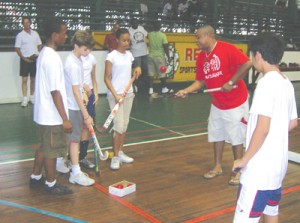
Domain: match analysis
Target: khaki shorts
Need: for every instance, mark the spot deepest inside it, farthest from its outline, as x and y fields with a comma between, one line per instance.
x=53, y=141
x=228, y=125
x=154, y=65
x=121, y=119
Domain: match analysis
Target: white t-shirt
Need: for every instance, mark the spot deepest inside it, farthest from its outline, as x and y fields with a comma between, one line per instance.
x=49, y=77
x=28, y=42
x=73, y=70
x=121, y=70
x=88, y=63
x=274, y=97
x=138, y=45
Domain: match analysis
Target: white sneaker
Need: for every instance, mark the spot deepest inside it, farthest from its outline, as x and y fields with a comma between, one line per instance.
x=62, y=167
x=24, y=102
x=115, y=163
x=124, y=158
x=151, y=90
x=167, y=90
x=81, y=179
x=31, y=98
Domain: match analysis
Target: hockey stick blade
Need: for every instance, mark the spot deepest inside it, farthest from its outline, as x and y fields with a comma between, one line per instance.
x=96, y=144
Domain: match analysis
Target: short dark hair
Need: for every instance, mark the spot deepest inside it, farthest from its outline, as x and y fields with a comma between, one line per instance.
x=269, y=45
x=26, y=17
x=121, y=31
x=52, y=26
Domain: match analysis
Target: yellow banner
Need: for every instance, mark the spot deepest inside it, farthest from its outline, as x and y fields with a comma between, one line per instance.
x=183, y=50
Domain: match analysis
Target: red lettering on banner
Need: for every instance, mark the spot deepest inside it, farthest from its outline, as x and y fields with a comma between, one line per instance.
x=188, y=54
x=196, y=53
x=191, y=54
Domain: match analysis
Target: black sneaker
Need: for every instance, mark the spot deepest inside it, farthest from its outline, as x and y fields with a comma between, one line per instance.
x=86, y=163
x=58, y=189
x=33, y=183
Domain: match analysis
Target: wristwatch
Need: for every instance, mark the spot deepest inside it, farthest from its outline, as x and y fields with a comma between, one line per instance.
x=230, y=83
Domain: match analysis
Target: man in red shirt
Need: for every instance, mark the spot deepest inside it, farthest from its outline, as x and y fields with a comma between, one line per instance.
x=110, y=41
x=222, y=65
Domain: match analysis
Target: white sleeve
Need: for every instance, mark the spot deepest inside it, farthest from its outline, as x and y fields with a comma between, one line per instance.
x=18, y=41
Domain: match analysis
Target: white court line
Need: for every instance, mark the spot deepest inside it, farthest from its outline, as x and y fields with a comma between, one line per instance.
x=157, y=126
x=129, y=144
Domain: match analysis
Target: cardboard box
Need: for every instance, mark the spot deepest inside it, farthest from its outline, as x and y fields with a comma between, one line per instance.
x=122, y=188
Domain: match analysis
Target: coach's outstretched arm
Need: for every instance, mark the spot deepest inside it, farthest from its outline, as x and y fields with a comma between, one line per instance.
x=197, y=85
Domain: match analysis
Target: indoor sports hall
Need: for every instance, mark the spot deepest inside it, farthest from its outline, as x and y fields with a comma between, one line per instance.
x=167, y=136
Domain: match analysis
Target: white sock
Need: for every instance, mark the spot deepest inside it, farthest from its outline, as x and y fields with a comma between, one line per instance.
x=76, y=169
x=151, y=90
x=50, y=184
x=59, y=160
x=36, y=177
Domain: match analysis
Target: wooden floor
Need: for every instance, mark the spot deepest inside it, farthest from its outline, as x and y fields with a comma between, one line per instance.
x=171, y=155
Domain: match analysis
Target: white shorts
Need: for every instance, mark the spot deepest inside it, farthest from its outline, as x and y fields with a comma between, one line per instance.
x=121, y=119
x=228, y=125
x=252, y=203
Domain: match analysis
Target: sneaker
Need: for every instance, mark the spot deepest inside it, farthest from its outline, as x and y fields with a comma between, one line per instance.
x=62, y=167
x=33, y=183
x=115, y=163
x=31, y=99
x=86, y=163
x=151, y=91
x=81, y=179
x=24, y=102
x=167, y=90
x=58, y=189
x=124, y=158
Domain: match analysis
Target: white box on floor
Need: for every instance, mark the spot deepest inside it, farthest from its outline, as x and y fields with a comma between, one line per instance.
x=122, y=188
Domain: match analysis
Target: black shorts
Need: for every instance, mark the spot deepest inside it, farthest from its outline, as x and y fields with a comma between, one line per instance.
x=27, y=68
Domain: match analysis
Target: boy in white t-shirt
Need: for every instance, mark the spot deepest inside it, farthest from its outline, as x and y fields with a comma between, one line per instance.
x=272, y=115
x=51, y=110
x=139, y=50
x=91, y=88
x=118, y=72
x=82, y=42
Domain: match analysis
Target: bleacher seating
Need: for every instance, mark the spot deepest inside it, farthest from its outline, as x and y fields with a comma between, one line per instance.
x=233, y=19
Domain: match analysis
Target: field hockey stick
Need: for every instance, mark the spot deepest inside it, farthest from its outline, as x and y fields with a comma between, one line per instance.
x=216, y=89
x=116, y=108
x=97, y=146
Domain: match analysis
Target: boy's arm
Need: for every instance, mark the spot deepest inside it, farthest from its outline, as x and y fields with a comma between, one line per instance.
x=258, y=137
x=95, y=85
x=293, y=124
x=57, y=99
x=86, y=117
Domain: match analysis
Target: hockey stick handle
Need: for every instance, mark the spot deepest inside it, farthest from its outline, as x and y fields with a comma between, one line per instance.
x=216, y=89
x=116, y=107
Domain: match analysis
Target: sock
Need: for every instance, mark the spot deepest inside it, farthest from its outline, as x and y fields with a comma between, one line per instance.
x=76, y=169
x=83, y=149
x=151, y=90
x=50, y=184
x=36, y=177
x=163, y=82
x=59, y=160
